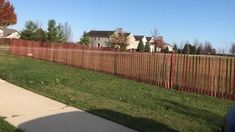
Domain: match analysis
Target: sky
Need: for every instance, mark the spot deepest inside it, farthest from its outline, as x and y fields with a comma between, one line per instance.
x=176, y=20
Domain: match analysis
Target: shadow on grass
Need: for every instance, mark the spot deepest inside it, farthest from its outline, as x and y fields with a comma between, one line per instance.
x=141, y=124
x=79, y=121
x=214, y=121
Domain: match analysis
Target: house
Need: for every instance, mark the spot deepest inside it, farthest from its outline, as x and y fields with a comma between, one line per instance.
x=9, y=33
x=132, y=45
x=99, y=38
x=102, y=39
x=169, y=46
x=150, y=40
x=139, y=38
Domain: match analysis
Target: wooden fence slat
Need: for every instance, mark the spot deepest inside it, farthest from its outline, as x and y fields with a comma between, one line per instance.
x=226, y=79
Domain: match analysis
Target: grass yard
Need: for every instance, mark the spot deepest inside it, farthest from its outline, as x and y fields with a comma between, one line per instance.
x=137, y=105
x=6, y=127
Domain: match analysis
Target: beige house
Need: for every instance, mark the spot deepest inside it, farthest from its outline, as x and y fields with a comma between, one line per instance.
x=99, y=38
x=150, y=40
x=132, y=45
x=102, y=39
x=9, y=33
x=169, y=46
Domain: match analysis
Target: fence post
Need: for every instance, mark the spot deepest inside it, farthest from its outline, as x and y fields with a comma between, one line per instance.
x=171, y=69
x=115, y=64
x=83, y=57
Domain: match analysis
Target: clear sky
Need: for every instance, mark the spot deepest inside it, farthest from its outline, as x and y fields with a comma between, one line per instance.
x=176, y=20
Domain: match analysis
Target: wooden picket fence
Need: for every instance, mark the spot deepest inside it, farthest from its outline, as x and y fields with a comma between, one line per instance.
x=5, y=41
x=207, y=75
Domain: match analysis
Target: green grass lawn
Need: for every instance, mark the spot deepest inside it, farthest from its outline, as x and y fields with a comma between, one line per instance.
x=137, y=105
x=6, y=127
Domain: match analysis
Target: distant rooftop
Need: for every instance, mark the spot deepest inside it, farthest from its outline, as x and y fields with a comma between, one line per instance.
x=7, y=31
x=104, y=34
x=138, y=37
x=149, y=38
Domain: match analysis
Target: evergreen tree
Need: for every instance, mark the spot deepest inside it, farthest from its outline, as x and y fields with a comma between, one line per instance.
x=140, y=46
x=60, y=34
x=40, y=35
x=52, y=31
x=166, y=50
x=29, y=32
x=175, y=48
x=193, y=50
x=84, y=40
x=147, y=47
x=186, y=49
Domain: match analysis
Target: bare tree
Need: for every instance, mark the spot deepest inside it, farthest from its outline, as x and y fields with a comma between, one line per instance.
x=158, y=40
x=119, y=40
x=221, y=51
x=207, y=48
x=232, y=49
x=196, y=43
x=67, y=32
x=181, y=47
x=155, y=33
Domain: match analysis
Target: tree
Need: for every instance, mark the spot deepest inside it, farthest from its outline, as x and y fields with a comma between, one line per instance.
x=60, y=37
x=213, y=51
x=175, y=48
x=193, y=50
x=158, y=40
x=84, y=40
x=199, y=50
x=232, y=49
x=118, y=39
x=147, y=47
x=207, y=48
x=187, y=48
x=166, y=50
x=196, y=43
x=29, y=32
x=140, y=47
x=40, y=35
x=7, y=14
x=55, y=32
x=67, y=32
x=52, y=31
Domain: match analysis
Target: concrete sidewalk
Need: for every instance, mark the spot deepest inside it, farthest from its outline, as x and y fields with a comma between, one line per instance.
x=35, y=113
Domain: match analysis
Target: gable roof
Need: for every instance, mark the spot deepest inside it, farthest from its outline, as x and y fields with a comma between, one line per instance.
x=126, y=34
x=103, y=34
x=149, y=38
x=138, y=37
x=7, y=32
x=167, y=44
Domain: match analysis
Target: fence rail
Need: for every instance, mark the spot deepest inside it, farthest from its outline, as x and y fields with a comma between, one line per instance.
x=207, y=75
